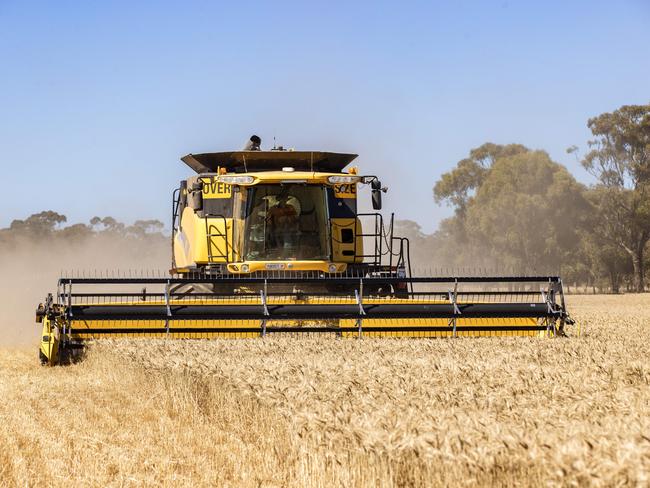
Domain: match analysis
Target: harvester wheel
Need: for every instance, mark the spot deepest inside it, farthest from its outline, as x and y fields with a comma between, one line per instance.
x=70, y=354
x=64, y=355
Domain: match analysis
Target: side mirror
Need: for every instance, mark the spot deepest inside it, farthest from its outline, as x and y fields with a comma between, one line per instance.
x=195, y=200
x=376, y=194
x=182, y=195
x=195, y=196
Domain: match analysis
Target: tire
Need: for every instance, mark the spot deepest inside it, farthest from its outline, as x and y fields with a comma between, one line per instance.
x=42, y=358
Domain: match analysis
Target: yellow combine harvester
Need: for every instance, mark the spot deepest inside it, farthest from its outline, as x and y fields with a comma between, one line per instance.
x=271, y=241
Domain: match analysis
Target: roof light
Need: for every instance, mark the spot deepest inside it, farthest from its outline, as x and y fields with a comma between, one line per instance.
x=336, y=180
x=288, y=169
x=236, y=180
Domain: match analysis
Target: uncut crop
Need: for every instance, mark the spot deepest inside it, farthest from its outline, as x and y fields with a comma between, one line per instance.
x=327, y=412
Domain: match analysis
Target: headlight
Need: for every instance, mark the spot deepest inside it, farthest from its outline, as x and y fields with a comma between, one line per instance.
x=244, y=268
x=236, y=180
x=337, y=180
x=333, y=268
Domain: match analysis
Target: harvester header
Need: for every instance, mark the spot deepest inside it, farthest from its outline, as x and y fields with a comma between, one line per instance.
x=272, y=242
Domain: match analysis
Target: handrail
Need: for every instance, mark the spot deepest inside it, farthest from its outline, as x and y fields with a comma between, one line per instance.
x=176, y=200
x=209, y=236
x=377, y=237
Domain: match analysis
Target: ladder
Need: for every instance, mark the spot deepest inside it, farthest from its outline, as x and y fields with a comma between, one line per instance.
x=212, y=231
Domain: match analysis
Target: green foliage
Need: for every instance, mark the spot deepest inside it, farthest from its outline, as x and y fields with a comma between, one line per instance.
x=600, y=261
x=108, y=225
x=620, y=152
x=141, y=228
x=517, y=209
x=458, y=185
x=620, y=159
x=47, y=227
x=527, y=210
x=40, y=224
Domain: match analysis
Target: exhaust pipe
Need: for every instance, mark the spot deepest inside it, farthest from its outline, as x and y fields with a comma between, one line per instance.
x=253, y=144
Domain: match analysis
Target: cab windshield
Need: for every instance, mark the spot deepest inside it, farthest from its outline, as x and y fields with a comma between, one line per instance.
x=286, y=222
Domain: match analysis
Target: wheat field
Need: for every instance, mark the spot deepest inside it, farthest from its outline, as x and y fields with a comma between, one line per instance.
x=327, y=412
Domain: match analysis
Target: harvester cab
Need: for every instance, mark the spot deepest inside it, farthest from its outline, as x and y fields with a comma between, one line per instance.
x=272, y=242
x=247, y=213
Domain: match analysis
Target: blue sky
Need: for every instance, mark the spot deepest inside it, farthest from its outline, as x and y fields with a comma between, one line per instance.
x=98, y=100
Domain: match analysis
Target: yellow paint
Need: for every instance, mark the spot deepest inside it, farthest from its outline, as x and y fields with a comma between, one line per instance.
x=49, y=344
x=494, y=324
x=338, y=246
x=213, y=188
x=191, y=241
x=290, y=265
x=190, y=244
x=346, y=190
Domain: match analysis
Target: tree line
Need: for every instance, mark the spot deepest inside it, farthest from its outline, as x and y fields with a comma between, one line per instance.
x=48, y=228
x=517, y=209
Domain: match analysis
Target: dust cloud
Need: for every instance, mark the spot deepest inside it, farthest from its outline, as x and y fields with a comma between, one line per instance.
x=30, y=270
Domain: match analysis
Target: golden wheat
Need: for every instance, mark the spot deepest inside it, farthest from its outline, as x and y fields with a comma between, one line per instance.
x=326, y=412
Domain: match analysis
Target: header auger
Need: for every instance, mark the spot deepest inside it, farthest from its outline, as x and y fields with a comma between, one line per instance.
x=271, y=242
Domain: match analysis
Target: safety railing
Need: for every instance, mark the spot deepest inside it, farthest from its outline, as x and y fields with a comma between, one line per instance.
x=376, y=237
x=176, y=200
x=212, y=232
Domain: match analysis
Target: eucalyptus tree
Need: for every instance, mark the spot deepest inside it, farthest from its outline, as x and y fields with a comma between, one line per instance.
x=619, y=158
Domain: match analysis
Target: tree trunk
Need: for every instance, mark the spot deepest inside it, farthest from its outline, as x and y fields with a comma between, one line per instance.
x=637, y=264
x=614, y=281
